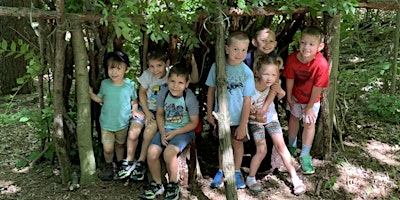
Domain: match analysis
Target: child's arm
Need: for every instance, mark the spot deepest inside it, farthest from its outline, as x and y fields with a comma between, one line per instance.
x=289, y=89
x=280, y=93
x=94, y=97
x=194, y=75
x=160, y=124
x=190, y=126
x=143, y=102
x=241, y=130
x=135, y=111
x=308, y=111
x=210, y=105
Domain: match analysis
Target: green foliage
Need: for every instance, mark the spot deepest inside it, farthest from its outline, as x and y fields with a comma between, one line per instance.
x=329, y=184
x=384, y=107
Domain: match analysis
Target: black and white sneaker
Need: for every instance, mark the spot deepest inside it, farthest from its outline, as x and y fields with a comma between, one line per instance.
x=172, y=191
x=152, y=191
x=126, y=169
x=138, y=171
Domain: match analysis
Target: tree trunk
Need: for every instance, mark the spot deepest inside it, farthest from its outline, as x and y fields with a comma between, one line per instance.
x=323, y=135
x=394, y=58
x=223, y=112
x=59, y=108
x=12, y=68
x=86, y=156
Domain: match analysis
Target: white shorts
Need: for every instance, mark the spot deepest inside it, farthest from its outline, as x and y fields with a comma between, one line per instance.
x=297, y=110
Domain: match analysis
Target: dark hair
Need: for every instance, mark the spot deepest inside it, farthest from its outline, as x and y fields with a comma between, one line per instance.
x=266, y=60
x=179, y=69
x=237, y=35
x=157, y=54
x=116, y=56
x=314, y=31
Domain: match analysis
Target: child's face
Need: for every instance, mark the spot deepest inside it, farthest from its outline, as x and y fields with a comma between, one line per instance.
x=117, y=72
x=268, y=74
x=309, y=46
x=236, y=51
x=265, y=42
x=157, y=68
x=177, y=84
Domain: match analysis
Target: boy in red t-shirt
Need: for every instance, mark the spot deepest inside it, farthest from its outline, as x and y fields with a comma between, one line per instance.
x=307, y=73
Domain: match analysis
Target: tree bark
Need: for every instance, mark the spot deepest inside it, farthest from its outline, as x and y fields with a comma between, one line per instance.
x=223, y=112
x=12, y=68
x=323, y=136
x=394, y=57
x=59, y=108
x=86, y=155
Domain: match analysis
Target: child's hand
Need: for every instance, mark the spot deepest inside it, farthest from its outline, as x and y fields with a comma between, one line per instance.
x=138, y=114
x=278, y=89
x=240, y=133
x=211, y=119
x=169, y=135
x=193, y=60
x=149, y=118
x=164, y=140
x=290, y=102
x=310, y=116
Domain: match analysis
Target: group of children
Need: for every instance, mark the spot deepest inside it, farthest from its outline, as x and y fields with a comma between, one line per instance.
x=169, y=111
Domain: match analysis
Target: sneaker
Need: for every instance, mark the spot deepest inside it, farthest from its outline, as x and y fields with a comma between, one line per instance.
x=293, y=151
x=152, y=191
x=126, y=169
x=116, y=169
x=218, y=180
x=138, y=171
x=306, y=164
x=239, y=180
x=172, y=191
x=108, y=172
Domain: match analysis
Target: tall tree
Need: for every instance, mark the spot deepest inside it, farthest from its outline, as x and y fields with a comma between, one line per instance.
x=86, y=156
x=12, y=68
x=59, y=108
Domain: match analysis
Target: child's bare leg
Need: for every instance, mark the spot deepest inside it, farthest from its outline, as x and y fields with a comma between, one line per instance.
x=172, y=162
x=153, y=161
x=148, y=134
x=308, y=134
x=293, y=128
x=108, y=152
x=119, y=151
x=261, y=147
x=281, y=148
x=238, y=152
x=132, y=141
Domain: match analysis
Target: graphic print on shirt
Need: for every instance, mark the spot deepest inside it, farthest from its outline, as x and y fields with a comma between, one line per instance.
x=154, y=92
x=235, y=80
x=174, y=113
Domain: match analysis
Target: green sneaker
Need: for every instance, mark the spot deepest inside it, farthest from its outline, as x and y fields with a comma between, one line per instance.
x=293, y=151
x=306, y=164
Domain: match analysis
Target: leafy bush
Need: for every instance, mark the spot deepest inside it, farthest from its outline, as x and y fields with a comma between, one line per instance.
x=384, y=107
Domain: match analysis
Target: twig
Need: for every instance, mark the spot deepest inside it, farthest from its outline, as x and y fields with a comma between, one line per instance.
x=318, y=190
x=40, y=155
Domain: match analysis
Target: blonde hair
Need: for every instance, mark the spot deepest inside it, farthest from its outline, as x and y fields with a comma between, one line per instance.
x=313, y=31
x=263, y=60
x=237, y=35
x=268, y=30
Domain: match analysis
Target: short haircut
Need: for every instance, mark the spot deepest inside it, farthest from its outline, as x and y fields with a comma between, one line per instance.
x=180, y=69
x=114, y=62
x=314, y=31
x=237, y=35
x=268, y=30
x=157, y=54
x=116, y=58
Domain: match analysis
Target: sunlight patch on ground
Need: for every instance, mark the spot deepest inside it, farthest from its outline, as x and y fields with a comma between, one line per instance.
x=7, y=187
x=384, y=152
x=366, y=183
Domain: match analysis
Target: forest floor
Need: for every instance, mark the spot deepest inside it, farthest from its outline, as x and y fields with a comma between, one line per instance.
x=367, y=168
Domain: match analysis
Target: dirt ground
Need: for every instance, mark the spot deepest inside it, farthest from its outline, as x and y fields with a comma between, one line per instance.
x=368, y=168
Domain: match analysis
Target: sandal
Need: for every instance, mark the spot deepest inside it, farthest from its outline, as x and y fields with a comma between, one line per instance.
x=256, y=187
x=299, y=188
